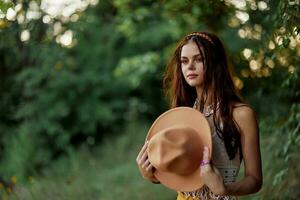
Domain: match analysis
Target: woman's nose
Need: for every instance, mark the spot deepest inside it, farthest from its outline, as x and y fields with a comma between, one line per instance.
x=191, y=65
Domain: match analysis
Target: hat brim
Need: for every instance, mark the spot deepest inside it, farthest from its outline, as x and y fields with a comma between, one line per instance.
x=190, y=117
x=183, y=183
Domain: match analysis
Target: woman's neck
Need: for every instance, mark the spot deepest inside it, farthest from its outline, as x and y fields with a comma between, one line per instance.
x=208, y=101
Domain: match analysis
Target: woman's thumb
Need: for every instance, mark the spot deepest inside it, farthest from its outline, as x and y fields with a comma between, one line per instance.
x=206, y=154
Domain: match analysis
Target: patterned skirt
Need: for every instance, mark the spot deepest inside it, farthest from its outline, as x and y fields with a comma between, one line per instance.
x=203, y=193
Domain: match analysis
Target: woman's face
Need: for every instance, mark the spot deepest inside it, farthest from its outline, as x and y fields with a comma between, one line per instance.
x=192, y=64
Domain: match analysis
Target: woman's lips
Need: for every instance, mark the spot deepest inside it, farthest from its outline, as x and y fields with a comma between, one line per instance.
x=192, y=76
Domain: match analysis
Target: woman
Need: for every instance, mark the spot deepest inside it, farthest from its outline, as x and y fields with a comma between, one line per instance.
x=198, y=76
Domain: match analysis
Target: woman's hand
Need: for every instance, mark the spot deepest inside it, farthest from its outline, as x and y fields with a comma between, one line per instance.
x=145, y=167
x=211, y=175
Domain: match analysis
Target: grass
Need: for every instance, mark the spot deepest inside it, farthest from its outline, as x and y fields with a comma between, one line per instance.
x=109, y=172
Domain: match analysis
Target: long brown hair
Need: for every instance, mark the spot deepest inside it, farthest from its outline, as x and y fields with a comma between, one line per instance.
x=217, y=79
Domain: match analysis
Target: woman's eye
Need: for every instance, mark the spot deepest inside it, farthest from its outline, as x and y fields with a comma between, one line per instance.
x=199, y=59
x=184, y=61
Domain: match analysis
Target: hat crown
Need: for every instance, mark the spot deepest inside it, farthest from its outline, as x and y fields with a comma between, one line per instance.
x=177, y=149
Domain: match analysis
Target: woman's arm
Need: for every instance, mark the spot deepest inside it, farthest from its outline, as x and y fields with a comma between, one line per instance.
x=245, y=117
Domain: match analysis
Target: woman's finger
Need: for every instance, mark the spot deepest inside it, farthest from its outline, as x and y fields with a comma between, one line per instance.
x=146, y=164
x=149, y=167
x=142, y=151
x=144, y=157
x=206, y=154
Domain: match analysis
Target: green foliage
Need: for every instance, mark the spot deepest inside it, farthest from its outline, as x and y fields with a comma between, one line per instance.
x=51, y=101
x=281, y=158
x=5, y=5
x=280, y=147
x=289, y=151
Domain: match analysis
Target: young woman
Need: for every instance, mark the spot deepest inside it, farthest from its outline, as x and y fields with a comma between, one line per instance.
x=198, y=76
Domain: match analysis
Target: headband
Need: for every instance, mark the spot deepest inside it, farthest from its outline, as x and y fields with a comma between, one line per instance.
x=201, y=35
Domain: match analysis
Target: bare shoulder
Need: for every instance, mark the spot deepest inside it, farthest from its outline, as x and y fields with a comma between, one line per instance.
x=243, y=111
x=244, y=115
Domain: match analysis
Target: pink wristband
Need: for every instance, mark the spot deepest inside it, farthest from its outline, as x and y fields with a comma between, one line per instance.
x=205, y=162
